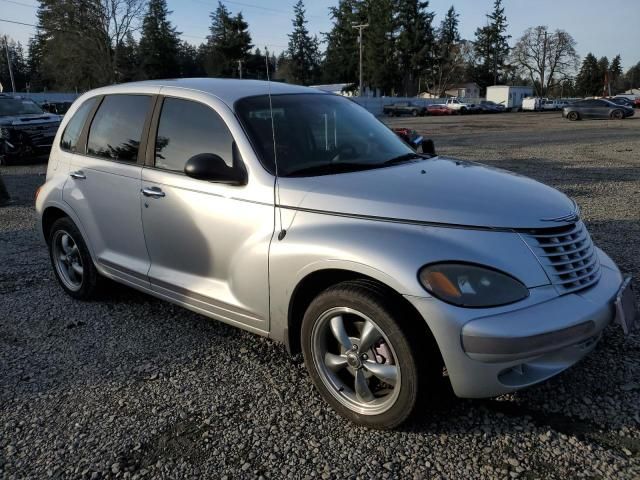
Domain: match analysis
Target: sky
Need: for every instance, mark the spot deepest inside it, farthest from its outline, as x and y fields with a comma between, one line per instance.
x=604, y=28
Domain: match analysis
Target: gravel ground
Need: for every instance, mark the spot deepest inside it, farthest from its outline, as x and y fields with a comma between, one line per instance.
x=132, y=387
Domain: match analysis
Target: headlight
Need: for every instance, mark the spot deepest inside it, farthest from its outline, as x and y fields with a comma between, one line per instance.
x=469, y=285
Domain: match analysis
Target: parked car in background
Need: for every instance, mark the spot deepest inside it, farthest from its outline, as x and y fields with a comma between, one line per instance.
x=532, y=104
x=622, y=101
x=487, y=106
x=383, y=267
x=26, y=131
x=460, y=106
x=552, y=104
x=404, y=108
x=596, y=108
x=439, y=109
x=634, y=98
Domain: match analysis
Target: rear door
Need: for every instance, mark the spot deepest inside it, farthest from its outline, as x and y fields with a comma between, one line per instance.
x=208, y=242
x=103, y=187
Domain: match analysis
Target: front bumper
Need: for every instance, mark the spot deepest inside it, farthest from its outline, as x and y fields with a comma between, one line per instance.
x=488, y=352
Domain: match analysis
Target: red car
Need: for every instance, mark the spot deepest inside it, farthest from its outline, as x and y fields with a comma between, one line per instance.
x=438, y=109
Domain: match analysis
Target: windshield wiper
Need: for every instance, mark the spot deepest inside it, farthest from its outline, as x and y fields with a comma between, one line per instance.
x=329, y=168
x=402, y=158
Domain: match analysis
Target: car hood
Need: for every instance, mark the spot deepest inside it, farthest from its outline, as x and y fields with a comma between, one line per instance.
x=433, y=191
x=29, y=119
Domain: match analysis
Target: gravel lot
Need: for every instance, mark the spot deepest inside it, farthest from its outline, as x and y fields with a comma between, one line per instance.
x=131, y=387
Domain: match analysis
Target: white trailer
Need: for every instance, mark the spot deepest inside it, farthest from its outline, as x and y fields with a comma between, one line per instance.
x=509, y=95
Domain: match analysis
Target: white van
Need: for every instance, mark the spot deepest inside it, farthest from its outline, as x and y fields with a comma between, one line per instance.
x=532, y=104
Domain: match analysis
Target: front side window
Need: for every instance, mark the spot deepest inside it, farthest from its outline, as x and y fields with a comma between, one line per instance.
x=186, y=129
x=73, y=129
x=116, y=129
x=318, y=134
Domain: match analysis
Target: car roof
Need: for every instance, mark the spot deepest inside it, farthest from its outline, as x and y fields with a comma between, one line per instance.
x=229, y=90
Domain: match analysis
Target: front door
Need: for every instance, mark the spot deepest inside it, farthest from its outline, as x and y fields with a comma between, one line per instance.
x=208, y=243
x=103, y=188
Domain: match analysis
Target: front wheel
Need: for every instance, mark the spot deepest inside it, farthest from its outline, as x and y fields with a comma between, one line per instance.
x=360, y=358
x=617, y=115
x=414, y=113
x=573, y=116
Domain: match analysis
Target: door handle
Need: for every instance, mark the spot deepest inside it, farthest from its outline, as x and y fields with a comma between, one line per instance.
x=78, y=175
x=154, y=192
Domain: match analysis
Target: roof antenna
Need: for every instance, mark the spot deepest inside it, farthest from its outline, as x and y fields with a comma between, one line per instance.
x=283, y=232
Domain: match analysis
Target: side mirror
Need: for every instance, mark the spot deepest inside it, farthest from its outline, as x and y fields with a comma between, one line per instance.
x=427, y=146
x=211, y=167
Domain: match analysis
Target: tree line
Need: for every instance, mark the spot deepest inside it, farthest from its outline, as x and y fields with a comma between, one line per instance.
x=84, y=44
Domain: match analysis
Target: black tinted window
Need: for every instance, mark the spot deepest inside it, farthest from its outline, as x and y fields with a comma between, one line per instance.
x=189, y=128
x=74, y=128
x=117, y=127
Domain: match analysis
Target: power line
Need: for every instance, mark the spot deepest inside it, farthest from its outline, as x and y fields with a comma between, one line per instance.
x=20, y=3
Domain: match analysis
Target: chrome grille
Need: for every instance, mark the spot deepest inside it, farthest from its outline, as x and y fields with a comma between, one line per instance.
x=567, y=256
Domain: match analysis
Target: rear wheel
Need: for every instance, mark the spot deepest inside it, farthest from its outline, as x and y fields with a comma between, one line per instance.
x=72, y=261
x=617, y=115
x=361, y=358
x=414, y=113
x=573, y=116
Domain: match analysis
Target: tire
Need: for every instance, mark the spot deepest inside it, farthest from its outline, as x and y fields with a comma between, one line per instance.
x=463, y=111
x=573, y=116
x=414, y=113
x=76, y=273
x=350, y=309
x=617, y=115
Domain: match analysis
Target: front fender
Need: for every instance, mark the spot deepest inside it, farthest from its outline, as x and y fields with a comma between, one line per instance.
x=389, y=252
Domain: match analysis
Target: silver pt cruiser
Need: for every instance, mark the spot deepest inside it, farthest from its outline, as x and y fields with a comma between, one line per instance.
x=297, y=215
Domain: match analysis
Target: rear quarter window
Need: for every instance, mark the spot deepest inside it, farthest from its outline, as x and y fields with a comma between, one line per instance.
x=71, y=134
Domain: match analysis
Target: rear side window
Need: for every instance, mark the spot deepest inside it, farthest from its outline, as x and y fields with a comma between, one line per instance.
x=189, y=128
x=72, y=131
x=116, y=129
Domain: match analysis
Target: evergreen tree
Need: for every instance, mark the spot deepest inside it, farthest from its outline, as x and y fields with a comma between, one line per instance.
x=73, y=45
x=229, y=42
x=632, y=78
x=128, y=60
x=448, y=63
x=189, y=64
x=589, y=80
x=492, y=47
x=615, y=74
x=414, y=43
x=603, y=68
x=341, y=59
x=19, y=65
x=159, y=43
x=303, y=51
x=379, y=47
x=256, y=65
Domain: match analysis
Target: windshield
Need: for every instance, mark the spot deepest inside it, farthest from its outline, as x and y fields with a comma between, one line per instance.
x=18, y=106
x=319, y=134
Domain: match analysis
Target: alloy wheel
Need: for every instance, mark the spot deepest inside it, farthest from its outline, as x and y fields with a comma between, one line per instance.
x=356, y=361
x=67, y=260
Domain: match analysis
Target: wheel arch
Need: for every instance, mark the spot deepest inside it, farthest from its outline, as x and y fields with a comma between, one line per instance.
x=49, y=217
x=317, y=281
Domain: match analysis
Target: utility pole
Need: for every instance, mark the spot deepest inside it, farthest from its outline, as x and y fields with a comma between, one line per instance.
x=240, y=62
x=360, y=28
x=6, y=46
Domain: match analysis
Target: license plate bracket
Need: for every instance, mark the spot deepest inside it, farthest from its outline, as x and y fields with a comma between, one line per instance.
x=625, y=305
